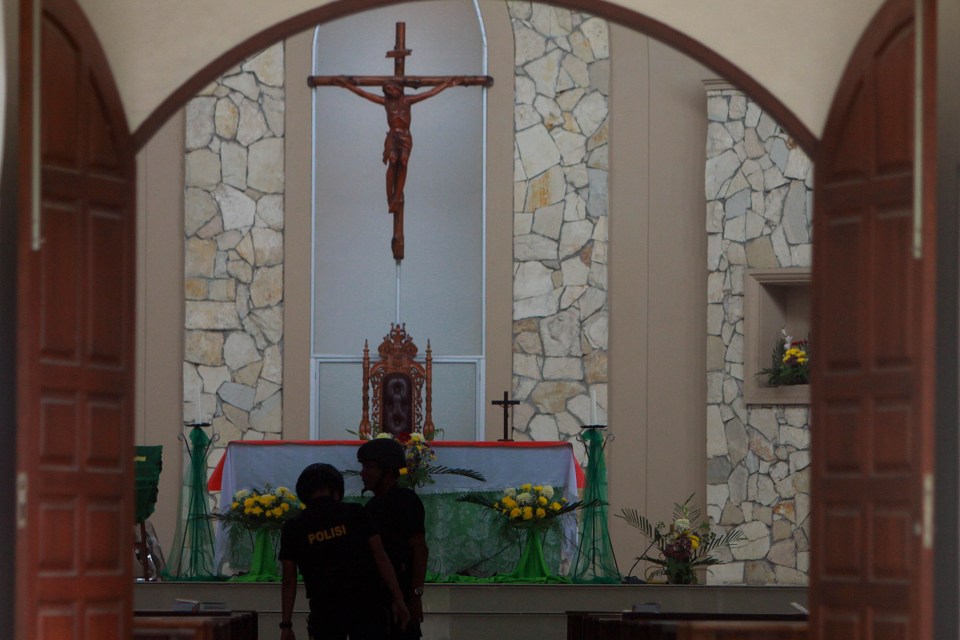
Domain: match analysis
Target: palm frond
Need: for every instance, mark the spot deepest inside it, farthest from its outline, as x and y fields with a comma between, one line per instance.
x=632, y=517
x=476, y=498
x=466, y=473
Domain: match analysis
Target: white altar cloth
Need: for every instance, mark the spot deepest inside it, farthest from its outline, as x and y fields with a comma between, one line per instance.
x=249, y=464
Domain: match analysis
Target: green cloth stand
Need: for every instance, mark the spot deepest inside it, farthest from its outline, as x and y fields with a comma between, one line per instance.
x=263, y=564
x=596, y=562
x=147, y=466
x=192, y=557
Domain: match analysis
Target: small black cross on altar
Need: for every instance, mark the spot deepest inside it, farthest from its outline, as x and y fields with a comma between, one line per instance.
x=506, y=403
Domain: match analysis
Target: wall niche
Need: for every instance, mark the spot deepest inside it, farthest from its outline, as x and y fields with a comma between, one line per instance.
x=774, y=300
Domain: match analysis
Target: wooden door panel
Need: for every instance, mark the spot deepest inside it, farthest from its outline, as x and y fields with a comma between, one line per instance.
x=107, y=258
x=60, y=134
x=894, y=106
x=843, y=343
x=893, y=228
x=840, y=436
x=873, y=317
x=849, y=162
x=105, y=450
x=894, y=443
x=77, y=294
x=60, y=284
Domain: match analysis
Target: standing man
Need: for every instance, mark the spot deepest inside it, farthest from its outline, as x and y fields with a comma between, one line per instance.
x=398, y=514
x=336, y=548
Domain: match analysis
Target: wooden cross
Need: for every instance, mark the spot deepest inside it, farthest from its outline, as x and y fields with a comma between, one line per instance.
x=506, y=403
x=399, y=141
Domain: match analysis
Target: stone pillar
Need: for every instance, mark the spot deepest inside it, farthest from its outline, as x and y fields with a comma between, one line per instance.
x=560, y=308
x=233, y=236
x=758, y=191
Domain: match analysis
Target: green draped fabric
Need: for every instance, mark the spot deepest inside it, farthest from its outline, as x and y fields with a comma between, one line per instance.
x=147, y=465
x=263, y=564
x=465, y=544
x=596, y=563
x=192, y=556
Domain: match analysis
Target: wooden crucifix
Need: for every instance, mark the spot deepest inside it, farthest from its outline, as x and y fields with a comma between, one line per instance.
x=399, y=141
x=506, y=404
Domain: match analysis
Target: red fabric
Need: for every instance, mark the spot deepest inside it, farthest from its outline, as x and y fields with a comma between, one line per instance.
x=216, y=478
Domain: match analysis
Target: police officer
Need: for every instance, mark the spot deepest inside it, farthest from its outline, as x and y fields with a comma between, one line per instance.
x=338, y=552
x=398, y=515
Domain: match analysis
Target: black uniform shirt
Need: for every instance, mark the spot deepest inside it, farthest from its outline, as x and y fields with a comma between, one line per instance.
x=329, y=542
x=398, y=516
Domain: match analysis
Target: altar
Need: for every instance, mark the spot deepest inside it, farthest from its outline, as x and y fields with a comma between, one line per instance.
x=463, y=538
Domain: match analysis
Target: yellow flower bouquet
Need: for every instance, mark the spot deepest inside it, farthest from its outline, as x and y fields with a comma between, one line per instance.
x=255, y=509
x=790, y=362
x=533, y=509
x=259, y=513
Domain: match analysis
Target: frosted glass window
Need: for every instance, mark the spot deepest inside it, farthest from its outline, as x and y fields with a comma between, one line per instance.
x=437, y=290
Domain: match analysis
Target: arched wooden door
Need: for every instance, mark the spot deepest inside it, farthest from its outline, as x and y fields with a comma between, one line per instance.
x=75, y=325
x=872, y=573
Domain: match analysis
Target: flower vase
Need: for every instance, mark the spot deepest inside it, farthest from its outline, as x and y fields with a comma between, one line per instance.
x=680, y=573
x=263, y=562
x=532, y=566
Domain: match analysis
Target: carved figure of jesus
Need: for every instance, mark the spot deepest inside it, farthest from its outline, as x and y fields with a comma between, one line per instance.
x=398, y=143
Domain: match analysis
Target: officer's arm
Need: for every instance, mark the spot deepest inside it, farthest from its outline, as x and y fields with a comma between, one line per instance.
x=385, y=567
x=419, y=569
x=288, y=595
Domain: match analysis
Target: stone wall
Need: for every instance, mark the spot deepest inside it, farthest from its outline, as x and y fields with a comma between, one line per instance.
x=758, y=190
x=233, y=241
x=560, y=308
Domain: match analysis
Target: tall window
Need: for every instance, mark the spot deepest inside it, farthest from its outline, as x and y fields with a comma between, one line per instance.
x=438, y=289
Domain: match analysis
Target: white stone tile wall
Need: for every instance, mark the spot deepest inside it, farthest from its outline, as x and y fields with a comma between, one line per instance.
x=560, y=310
x=233, y=264
x=758, y=189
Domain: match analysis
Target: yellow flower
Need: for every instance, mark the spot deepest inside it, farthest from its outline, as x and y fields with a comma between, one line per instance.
x=249, y=502
x=268, y=500
x=694, y=540
x=538, y=488
x=284, y=507
x=256, y=511
x=234, y=504
x=526, y=487
x=528, y=513
x=542, y=501
x=496, y=505
x=509, y=502
x=404, y=471
x=515, y=512
x=555, y=506
x=541, y=512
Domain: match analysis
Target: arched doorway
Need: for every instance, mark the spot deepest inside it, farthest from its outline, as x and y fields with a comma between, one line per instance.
x=631, y=19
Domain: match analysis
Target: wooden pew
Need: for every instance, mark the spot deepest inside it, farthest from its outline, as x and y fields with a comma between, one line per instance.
x=585, y=625
x=167, y=625
x=742, y=630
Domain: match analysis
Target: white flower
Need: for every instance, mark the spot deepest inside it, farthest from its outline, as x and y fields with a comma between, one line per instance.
x=524, y=498
x=416, y=437
x=240, y=495
x=681, y=524
x=547, y=491
x=383, y=434
x=510, y=492
x=787, y=340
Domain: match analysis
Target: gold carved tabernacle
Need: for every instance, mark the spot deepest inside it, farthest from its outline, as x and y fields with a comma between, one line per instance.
x=400, y=385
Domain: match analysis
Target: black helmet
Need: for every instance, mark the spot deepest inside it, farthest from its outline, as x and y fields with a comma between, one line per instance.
x=317, y=476
x=387, y=453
